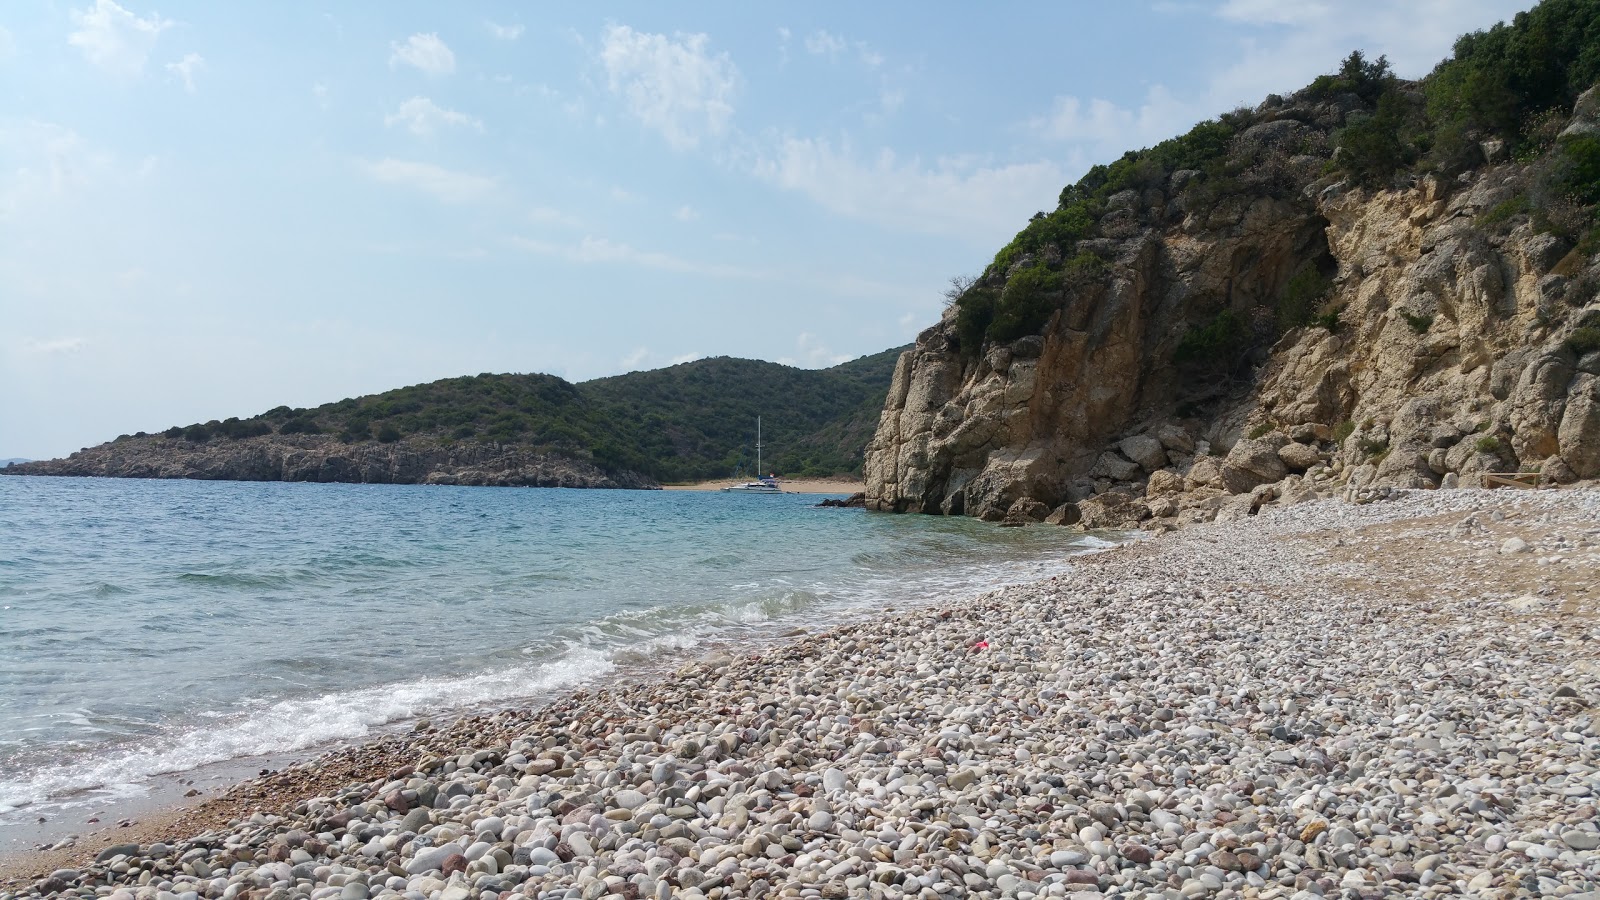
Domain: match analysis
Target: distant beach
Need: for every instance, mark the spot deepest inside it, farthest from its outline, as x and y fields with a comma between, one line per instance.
x=835, y=485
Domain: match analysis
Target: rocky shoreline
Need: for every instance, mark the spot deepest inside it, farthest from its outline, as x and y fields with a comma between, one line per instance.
x=325, y=459
x=1323, y=700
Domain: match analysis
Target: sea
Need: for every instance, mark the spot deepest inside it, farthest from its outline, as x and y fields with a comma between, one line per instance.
x=155, y=634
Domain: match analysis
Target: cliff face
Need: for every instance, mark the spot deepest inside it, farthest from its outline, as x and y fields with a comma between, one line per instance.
x=1446, y=348
x=324, y=459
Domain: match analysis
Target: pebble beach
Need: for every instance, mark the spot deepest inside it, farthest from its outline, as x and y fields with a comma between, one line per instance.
x=1326, y=700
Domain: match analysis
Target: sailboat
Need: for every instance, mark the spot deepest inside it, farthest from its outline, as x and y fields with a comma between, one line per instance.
x=764, y=484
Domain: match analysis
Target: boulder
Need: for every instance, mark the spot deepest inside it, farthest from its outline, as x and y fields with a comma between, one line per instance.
x=1206, y=472
x=1299, y=457
x=1585, y=115
x=1556, y=471
x=1065, y=514
x=1249, y=464
x=1115, y=467
x=1028, y=508
x=1174, y=438
x=1579, y=436
x=1163, y=507
x=1113, y=509
x=1144, y=450
x=1164, y=481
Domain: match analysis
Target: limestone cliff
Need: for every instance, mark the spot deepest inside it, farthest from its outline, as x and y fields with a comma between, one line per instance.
x=1449, y=335
x=324, y=459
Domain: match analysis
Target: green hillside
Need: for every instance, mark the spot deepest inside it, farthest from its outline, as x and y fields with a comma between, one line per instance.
x=686, y=422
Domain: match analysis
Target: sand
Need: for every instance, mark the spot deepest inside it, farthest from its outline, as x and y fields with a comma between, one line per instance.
x=790, y=485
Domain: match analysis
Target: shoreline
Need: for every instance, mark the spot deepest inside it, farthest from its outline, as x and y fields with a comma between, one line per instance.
x=1225, y=606
x=836, y=485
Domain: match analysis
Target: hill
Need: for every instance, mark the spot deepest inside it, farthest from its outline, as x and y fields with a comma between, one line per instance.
x=686, y=422
x=1368, y=283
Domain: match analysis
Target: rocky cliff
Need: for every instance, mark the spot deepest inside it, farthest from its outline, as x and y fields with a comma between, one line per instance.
x=325, y=459
x=1215, y=347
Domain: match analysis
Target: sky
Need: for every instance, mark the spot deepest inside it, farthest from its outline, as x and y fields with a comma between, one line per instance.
x=208, y=210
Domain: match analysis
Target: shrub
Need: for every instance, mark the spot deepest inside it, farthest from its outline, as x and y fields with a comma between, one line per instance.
x=1373, y=150
x=974, y=313
x=174, y=432
x=1330, y=319
x=1356, y=76
x=1263, y=429
x=1218, y=344
x=199, y=434
x=299, y=425
x=1026, y=304
x=1503, y=212
x=1301, y=298
x=1584, y=340
x=1343, y=430
x=1577, y=172
x=1487, y=444
x=388, y=434
x=1419, y=324
x=1372, y=446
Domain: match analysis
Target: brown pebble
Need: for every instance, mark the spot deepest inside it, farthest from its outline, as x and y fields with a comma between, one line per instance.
x=1136, y=853
x=453, y=863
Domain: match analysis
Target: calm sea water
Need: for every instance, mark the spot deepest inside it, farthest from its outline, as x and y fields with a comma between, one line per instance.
x=154, y=627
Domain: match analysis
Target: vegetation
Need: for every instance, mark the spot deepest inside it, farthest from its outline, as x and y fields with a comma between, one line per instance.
x=1584, y=340
x=685, y=422
x=1419, y=324
x=1487, y=444
x=1302, y=298
x=1219, y=345
x=1343, y=430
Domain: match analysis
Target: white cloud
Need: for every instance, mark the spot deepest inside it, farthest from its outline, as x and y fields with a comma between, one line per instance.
x=1301, y=40
x=505, y=32
x=186, y=67
x=821, y=43
x=53, y=346
x=600, y=251
x=1113, y=128
x=685, y=358
x=959, y=197
x=544, y=215
x=115, y=39
x=869, y=57
x=622, y=195
x=425, y=52
x=447, y=185
x=671, y=84
x=686, y=213
x=634, y=360
x=813, y=354
x=423, y=117
x=42, y=162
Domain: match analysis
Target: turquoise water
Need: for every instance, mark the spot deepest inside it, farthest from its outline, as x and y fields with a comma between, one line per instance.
x=155, y=627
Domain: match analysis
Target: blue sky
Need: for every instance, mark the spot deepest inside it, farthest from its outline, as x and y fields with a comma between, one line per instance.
x=209, y=209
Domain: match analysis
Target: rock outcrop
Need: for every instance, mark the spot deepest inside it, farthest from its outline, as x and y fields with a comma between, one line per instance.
x=1445, y=348
x=324, y=459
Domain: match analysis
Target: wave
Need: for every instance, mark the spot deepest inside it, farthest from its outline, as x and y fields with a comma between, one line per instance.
x=293, y=725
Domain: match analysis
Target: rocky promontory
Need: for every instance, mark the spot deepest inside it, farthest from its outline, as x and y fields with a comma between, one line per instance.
x=322, y=458
x=1272, y=330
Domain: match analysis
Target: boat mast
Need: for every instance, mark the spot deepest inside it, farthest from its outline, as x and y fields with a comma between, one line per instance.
x=758, y=448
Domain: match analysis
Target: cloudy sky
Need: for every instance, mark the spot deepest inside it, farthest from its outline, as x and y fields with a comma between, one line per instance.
x=207, y=210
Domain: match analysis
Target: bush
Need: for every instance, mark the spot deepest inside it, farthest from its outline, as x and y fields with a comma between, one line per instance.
x=198, y=434
x=1577, y=172
x=1504, y=212
x=1026, y=304
x=1216, y=345
x=1487, y=444
x=174, y=432
x=1584, y=340
x=1343, y=430
x=1261, y=430
x=1062, y=228
x=299, y=425
x=388, y=434
x=1330, y=319
x=1371, y=446
x=1419, y=324
x=1373, y=150
x=974, y=313
x=1301, y=298
x=1356, y=75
